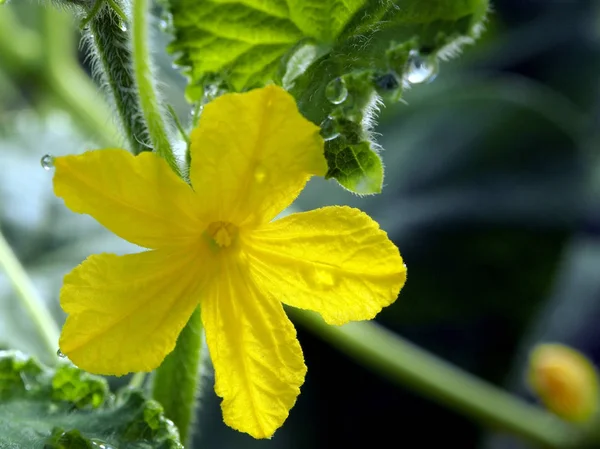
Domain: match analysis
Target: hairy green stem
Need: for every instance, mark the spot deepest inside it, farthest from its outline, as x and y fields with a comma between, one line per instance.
x=110, y=40
x=29, y=297
x=176, y=382
x=407, y=365
x=145, y=85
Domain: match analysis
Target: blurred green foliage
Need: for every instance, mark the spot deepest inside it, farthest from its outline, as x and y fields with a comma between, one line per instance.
x=492, y=193
x=68, y=408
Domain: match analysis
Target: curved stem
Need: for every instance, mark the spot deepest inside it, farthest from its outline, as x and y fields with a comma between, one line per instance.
x=408, y=365
x=176, y=382
x=146, y=89
x=31, y=301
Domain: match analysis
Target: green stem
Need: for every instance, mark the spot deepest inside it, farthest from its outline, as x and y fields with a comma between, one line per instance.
x=72, y=87
x=17, y=58
x=44, y=59
x=145, y=85
x=137, y=380
x=407, y=365
x=177, y=381
x=110, y=39
x=30, y=300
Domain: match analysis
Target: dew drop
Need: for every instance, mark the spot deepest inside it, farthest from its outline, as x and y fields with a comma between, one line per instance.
x=325, y=279
x=28, y=380
x=100, y=444
x=329, y=129
x=211, y=91
x=60, y=354
x=387, y=82
x=166, y=22
x=123, y=26
x=336, y=91
x=421, y=69
x=47, y=162
x=260, y=174
x=320, y=279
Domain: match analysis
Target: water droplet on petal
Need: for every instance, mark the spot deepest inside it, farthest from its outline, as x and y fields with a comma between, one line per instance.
x=123, y=26
x=60, y=354
x=320, y=279
x=329, y=129
x=325, y=279
x=336, y=91
x=421, y=69
x=47, y=162
x=260, y=174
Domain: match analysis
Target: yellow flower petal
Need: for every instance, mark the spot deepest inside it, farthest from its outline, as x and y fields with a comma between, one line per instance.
x=252, y=154
x=258, y=362
x=335, y=261
x=125, y=312
x=138, y=198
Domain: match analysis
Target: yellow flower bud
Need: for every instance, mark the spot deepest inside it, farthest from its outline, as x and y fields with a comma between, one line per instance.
x=565, y=381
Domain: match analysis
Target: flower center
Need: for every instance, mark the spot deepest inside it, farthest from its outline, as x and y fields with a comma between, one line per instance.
x=222, y=233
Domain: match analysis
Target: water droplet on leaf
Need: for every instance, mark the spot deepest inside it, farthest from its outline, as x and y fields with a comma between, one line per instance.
x=211, y=91
x=388, y=81
x=421, y=69
x=100, y=444
x=123, y=26
x=28, y=380
x=329, y=129
x=60, y=354
x=47, y=162
x=336, y=91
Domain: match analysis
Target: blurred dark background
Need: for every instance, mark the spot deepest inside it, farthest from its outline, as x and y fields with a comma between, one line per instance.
x=492, y=194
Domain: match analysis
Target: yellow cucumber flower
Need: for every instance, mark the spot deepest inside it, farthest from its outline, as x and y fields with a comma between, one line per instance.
x=215, y=243
x=565, y=380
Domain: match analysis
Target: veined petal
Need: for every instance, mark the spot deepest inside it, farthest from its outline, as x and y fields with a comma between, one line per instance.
x=252, y=154
x=335, y=261
x=258, y=363
x=139, y=198
x=126, y=312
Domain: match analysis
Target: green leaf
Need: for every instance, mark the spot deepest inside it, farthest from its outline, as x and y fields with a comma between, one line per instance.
x=68, y=408
x=356, y=167
x=374, y=48
x=245, y=41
